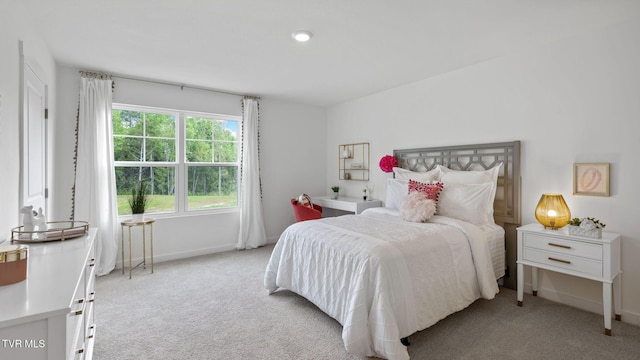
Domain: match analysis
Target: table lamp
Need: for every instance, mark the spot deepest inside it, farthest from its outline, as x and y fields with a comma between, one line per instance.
x=552, y=212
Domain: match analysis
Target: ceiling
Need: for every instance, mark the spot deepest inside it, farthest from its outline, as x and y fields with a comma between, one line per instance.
x=359, y=47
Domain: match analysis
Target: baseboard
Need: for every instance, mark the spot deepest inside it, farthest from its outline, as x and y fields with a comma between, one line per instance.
x=180, y=255
x=631, y=317
x=188, y=254
x=581, y=303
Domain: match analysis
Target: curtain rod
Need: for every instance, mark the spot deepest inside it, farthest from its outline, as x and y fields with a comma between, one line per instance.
x=182, y=86
x=97, y=75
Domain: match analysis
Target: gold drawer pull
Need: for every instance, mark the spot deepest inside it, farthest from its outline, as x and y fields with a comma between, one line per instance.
x=559, y=260
x=92, y=262
x=92, y=296
x=560, y=246
x=80, y=302
x=93, y=332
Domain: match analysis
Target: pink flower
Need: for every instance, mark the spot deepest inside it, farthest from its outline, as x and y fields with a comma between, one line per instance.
x=387, y=163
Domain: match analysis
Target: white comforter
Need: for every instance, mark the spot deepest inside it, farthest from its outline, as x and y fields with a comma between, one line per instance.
x=381, y=277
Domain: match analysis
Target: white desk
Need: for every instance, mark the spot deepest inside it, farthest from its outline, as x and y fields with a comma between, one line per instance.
x=353, y=204
x=555, y=250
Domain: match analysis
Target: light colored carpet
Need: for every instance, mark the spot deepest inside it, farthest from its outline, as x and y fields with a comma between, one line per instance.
x=215, y=307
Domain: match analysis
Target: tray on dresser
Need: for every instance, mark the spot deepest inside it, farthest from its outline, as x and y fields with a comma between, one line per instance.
x=56, y=230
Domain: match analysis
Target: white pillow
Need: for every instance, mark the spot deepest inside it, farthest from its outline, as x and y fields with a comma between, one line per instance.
x=417, y=207
x=473, y=177
x=467, y=202
x=397, y=190
x=469, y=177
x=425, y=177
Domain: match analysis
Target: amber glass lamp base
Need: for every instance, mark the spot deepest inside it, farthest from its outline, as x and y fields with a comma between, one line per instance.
x=552, y=211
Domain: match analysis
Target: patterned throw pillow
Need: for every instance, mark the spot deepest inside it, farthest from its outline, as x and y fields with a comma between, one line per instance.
x=431, y=190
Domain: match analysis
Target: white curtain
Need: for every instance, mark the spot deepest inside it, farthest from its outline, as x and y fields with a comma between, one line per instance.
x=252, y=233
x=95, y=189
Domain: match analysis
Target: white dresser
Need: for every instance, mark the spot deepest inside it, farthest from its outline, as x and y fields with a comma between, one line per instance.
x=50, y=314
x=556, y=250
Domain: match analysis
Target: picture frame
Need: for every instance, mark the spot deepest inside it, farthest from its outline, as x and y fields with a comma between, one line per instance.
x=591, y=179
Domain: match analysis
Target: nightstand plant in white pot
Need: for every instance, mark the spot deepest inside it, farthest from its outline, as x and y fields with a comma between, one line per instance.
x=589, y=227
x=138, y=201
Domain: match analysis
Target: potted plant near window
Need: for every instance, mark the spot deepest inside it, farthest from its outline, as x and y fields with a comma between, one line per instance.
x=138, y=201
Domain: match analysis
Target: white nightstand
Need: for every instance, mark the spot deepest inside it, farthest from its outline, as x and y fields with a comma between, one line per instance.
x=345, y=203
x=556, y=250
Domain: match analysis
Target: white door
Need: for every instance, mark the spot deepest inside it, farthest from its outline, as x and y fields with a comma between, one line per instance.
x=33, y=170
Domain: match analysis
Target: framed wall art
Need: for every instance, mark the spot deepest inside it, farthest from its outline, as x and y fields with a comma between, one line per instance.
x=591, y=179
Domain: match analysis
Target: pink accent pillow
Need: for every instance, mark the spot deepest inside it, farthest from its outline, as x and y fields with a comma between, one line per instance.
x=431, y=190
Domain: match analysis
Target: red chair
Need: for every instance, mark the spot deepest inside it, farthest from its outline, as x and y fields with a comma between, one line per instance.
x=303, y=212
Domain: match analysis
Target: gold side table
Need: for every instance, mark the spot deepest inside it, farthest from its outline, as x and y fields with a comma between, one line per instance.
x=131, y=224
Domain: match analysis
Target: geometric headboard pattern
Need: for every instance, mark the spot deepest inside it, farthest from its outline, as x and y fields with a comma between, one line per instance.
x=476, y=157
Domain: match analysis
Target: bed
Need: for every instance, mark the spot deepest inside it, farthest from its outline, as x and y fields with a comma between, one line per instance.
x=384, y=278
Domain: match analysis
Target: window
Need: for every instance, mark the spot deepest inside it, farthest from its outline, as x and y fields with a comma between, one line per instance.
x=211, y=145
x=189, y=161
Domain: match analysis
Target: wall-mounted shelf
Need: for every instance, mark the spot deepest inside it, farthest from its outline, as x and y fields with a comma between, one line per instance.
x=353, y=161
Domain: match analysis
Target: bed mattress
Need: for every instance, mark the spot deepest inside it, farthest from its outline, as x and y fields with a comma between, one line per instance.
x=493, y=233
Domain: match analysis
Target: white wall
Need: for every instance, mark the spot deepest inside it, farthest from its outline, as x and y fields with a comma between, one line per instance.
x=289, y=162
x=574, y=100
x=292, y=153
x=16, y=26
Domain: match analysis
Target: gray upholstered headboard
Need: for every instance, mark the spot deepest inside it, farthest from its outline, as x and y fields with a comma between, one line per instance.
x=481, y=157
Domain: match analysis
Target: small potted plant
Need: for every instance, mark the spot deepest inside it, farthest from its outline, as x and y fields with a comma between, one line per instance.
x=138, y=201
x=336, y=190
x=589, y=227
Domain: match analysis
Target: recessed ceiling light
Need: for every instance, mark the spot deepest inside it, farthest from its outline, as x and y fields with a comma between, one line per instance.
x=302, y=35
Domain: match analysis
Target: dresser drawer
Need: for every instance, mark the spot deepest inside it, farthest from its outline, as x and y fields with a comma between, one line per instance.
x=568, y=262
x=564, y=246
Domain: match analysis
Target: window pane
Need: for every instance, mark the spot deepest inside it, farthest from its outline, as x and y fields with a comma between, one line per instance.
x=161, y=150
x=127, y=148
x=226, y=152
x=198, y=128
x=212, y=187
x=127, y=122
x=226, y=137
x=160, y=182
x=160, y=125
x=199, y=151
x=204, y=134
x=226, y=130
